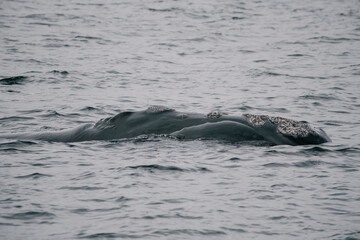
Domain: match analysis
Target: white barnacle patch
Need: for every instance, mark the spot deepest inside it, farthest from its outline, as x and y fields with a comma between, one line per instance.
x=158, y=109
x=215, y=115
x=284, y=126
x=294, y=129
x=256, y=120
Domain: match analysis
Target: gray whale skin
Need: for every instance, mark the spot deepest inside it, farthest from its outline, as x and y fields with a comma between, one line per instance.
x=163, y=120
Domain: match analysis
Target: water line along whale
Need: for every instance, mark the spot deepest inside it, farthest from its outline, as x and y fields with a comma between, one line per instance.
x=163, y=120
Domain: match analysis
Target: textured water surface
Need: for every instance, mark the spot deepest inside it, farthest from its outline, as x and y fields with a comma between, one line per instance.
x=67, y=63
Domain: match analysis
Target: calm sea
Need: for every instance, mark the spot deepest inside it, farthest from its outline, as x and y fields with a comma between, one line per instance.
x=65, y=63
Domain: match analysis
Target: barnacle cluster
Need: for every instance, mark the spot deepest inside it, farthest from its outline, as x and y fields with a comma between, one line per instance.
x=215, y=115
x=284, y=126
x=158, y=109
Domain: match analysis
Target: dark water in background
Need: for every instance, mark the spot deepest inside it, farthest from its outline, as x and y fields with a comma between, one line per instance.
x=65, y=63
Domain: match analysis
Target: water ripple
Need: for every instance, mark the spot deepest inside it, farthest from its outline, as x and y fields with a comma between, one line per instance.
x=156, y=167
x=30, y=215
x=109, y=235
x=86, y=188
x=13, y=80
x=34, y=176
x=191, y=232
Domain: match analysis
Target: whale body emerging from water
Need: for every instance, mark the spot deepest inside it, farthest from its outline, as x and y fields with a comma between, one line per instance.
x=215, y=125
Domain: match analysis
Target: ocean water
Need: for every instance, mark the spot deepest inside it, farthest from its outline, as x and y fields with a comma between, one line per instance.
x=65, y=63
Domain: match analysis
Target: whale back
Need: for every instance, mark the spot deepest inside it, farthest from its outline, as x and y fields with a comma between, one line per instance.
x=167, y=121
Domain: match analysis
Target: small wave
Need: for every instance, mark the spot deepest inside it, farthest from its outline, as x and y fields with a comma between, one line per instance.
x=291, y=76
x=196, y=39
x=110, y=236
x=336, y=211
x=315, y=150
x=14, y=150
x=15, y=119
x=31, y=60
x=53, y=113
x=17, y=143
x=8, y=224
x=334, y=123
x=326, y=39
x=86, y=210
x=164, y=9
x=37, y=16
x=281, y=217
x=346, y=167
x=10, y=200
x=298, y=55
x=63, y=73
x=337, y=88
x=84, y=175
x=80, y=210
x=235, y=159
x=341, y=112
x=260, y=60
x=319, y=176
x=347, y=236
x=30, y=215
x=205, y=232
x=274, y=164
x=122, y=199
x=279, y=185
x=89, y=109
x=87, y=188
x=86, y=39
x=171, y=216
x=268, y=197
x=47, y=24
x=90, y=4
x=238, y=18
x=307, y=163
x=34, y=175
x=339, y=148
x=245, y=51
x=258, y=73
x=239, y=230
x=93, y=200
x=175, y=200
x=325, y=97
x=17, y=80
x=271, y=109
x=245, y=108
x=57, y=45
x=30, y=111
x=348, y=150
x=156, y=167
x=268, y=233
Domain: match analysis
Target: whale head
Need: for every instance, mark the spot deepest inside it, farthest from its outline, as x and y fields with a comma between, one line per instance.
x=314, y=136
x=281, y=130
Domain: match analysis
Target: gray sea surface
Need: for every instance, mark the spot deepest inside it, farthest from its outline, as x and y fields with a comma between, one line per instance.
x=65, y=63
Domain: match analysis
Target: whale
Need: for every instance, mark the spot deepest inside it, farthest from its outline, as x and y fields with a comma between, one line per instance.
x=160, y=120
